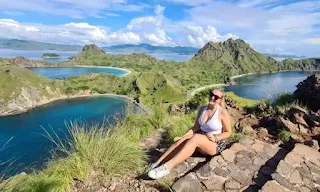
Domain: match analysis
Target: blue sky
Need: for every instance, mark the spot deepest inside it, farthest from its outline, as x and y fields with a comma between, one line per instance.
x=272, y=26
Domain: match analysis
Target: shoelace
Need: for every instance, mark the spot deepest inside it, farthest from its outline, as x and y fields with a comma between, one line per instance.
x=161, y=168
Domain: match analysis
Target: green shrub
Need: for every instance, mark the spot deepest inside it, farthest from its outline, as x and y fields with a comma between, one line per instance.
x=283, y=99
x=159, y=115
x=284, y=135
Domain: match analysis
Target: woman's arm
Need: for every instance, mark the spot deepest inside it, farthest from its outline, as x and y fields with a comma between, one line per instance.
x=226, y=123
x=193, y=129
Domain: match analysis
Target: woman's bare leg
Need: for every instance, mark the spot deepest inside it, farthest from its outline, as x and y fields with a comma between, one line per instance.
x=171, y=149
x=197, y=141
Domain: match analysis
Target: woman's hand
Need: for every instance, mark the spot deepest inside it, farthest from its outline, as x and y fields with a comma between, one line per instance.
x=176, y=139
x=183, y=137
x=211, y=137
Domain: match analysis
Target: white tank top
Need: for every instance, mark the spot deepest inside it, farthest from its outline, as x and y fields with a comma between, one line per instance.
x=213, y=125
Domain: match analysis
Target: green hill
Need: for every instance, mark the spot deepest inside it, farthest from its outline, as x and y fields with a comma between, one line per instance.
x=159, y=87
x=22, y=62
x=303, y=64
x=212, y=64
x=234, y=57
x=22, y=89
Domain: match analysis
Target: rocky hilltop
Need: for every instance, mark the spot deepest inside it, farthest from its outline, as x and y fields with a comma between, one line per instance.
x=21, y=89
x=236, y=57
x=88, y=51
x=22, y=62
x=309, y=91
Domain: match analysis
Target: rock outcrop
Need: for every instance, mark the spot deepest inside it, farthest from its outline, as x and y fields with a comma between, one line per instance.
x=253, y=165
x=22, y=62
x=308, y=92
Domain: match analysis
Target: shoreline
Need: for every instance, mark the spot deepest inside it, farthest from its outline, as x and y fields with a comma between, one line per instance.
x=194, y=91
x=127, y=71
x=64, y=97
x=282, y=71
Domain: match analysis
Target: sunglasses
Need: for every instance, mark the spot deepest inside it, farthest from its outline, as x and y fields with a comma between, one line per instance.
x=216, y=97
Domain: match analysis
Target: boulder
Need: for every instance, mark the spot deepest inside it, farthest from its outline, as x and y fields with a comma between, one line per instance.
x=308, y=92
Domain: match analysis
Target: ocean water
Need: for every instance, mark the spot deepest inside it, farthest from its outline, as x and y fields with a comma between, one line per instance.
x=267, y=86
x=37, y=55
x=64, y=72
x=28, y=146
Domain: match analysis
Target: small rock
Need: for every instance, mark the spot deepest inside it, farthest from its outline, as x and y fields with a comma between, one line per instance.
x=228, y=155
x=113, y=186
x=243, y=177
x=284, y=169
x=180, y=170
x=295, y=178
x=294, y=159
x=236, y=147
x=217, y=161
x=274, y=187
x=270, y=150
x=196, y=160
x=221, y=172
x=232, y=184
x=215, y=183
x=282, y=181
x=243, y=162
x=232, y=167
x=248, y=130
x=204, y=172
x=306, y=151
x=189, y=183
x=258, y=147
x=316, y=130
x=304, y=189
x=313, y=168
x=312, y=143
x=263, y=132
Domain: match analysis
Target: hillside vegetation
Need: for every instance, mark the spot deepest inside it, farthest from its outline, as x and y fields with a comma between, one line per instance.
x=213, y=63
x=21, y=88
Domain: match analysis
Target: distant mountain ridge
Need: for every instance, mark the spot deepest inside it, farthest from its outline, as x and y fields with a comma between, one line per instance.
x=35, y=45
x=147, y=48
x=125, y=48
x=274, y=55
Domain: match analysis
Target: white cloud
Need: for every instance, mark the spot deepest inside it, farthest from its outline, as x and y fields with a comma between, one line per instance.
x=314, y=41
x=70, y=33
x=159, y=10
x=31, y=28
x=199, y=36
x=112, y=14
x=191, y=2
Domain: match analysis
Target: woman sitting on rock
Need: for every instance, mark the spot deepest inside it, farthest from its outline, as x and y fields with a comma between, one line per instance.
x=208, y=135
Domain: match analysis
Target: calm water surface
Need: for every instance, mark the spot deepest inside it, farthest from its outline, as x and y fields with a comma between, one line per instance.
x=63, y=72
x=266, y=86
x=29, y=147
x=37, y=55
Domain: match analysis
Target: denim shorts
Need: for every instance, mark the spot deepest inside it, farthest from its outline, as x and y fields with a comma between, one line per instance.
x=221, y=144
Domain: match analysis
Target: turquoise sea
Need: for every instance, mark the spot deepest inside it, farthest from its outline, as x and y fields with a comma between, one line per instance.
x=28, y=146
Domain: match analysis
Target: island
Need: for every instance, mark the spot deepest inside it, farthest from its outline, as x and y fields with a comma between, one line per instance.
x=51, y=56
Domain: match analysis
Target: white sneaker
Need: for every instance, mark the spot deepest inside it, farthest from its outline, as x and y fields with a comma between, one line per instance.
x=159, y=172
x=152, y=166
